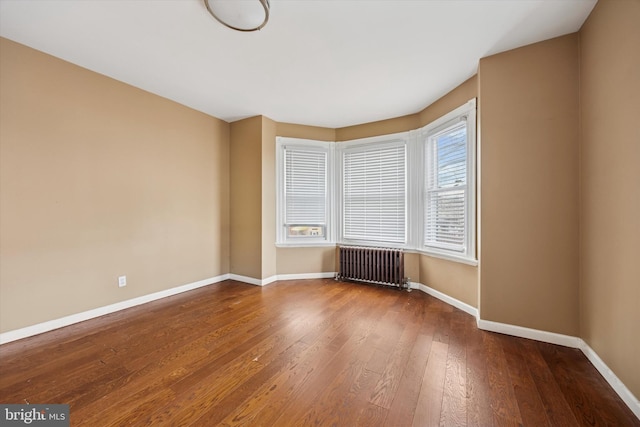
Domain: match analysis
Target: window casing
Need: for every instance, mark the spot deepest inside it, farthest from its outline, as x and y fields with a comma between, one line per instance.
x=304, y=170
x=448, y=185
x=373, y=191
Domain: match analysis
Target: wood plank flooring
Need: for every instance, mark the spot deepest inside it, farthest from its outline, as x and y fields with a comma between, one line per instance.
x=304, y=353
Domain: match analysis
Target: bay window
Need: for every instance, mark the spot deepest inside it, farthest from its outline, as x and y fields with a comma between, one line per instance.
x=415, y=190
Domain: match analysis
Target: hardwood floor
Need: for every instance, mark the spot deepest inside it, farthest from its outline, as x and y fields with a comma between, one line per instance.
x=304, y=353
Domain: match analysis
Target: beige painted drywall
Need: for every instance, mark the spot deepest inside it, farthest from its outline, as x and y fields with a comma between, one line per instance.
x=382, y=127
x=305, y=132
x=453, y=99
x=462, y=93
x=246, y=197
x=610, y=187
x=253, y=202
x=99, y=179
x=412, y=266
x=269, y=255
x=306, y=260
x=529, y=186
x=459, y=281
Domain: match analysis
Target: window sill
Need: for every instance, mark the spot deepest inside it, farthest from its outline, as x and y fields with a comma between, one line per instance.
x=305, y=244
x=449, y=257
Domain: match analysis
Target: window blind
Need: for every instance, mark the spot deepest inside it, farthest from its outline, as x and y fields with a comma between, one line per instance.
x=305, y=187
x=446, y=188
x=374, y=196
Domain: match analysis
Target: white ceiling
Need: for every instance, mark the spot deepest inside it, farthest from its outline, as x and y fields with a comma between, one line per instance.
x=329, y=63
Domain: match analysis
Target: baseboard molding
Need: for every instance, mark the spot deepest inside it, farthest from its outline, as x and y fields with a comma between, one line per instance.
x=50, y=325
x=246, y=279
x=278, y=277
x=445, y=298
x=549, y=337
x=568, y=341
x=532, y=334
x=304, y=276
x=625, y=394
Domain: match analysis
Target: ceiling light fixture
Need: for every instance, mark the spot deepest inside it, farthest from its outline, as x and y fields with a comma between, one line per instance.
x=241, y=15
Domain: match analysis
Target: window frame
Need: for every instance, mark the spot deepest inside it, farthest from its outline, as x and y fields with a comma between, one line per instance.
x=372, y=143
x=415, y=165
x=466, y=112
x=282, y=238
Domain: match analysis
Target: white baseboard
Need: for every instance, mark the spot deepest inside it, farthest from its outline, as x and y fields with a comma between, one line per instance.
x=549, y=337
x=50, y=325
x=445, y=298
x=532, y=334
x=625, y=394
x=568, y=341
x=303, y=276
x=246, y=279
x=269, y=280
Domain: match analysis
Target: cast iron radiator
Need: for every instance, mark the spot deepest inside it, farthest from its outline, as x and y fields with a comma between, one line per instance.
x=382, y=266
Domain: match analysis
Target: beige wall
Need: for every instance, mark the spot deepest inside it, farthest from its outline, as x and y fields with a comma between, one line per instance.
x=99, y=179
x=529, y=186
x=305, y=132
x=306, y=260
x=455, y=98
x=246, y=197
x=269, y=256
x=610, y=187
x=382, y=127
x=459, y=281
x=452, y=100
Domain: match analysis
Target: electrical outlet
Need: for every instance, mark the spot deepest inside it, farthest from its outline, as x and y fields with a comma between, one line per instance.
x=122, y=281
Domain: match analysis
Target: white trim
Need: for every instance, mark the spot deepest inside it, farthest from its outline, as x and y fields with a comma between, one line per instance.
x=326, y=147
x=532, y=334
x=269, y=280
x=426, y=133
x=301, y=276
x=441, y=121
x=549, y=337
x=278, y=277
x=247, y=279
x=400, y=139
x=314, y=244
x=568, y=341
x=447, y=256
x=445, y=298
x=625, y=394
x=50, y=325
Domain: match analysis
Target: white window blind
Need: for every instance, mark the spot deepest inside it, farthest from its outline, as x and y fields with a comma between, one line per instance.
x=446, y=189
x=305, y=192
x=374, y=194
